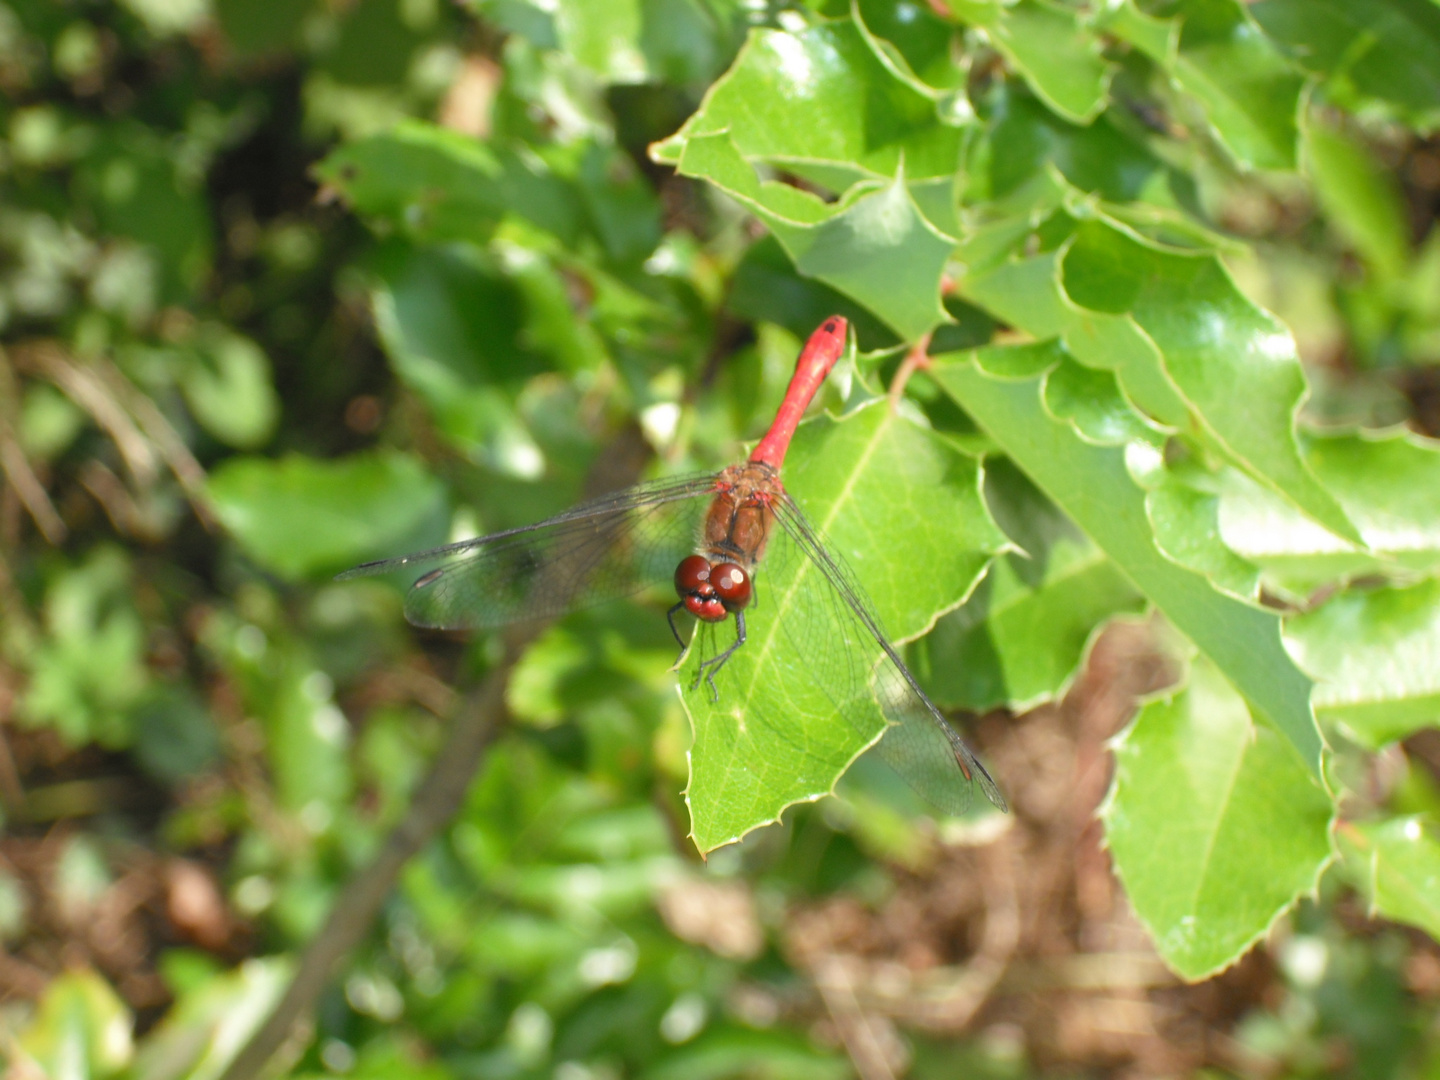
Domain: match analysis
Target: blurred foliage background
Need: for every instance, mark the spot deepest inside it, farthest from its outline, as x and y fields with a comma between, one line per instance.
x=289, y=285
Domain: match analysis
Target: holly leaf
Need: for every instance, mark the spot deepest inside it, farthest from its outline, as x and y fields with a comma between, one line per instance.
x=1019, y=644
x=876, y=246
x=1396, y=864
x=1380, y=49
x=1235, y=364
x=1093, y=486
x=822, y=97
x=1372, y=655
x=1052, y=49
x=1245, y=90
x=905, y=511
x=1214, y=827
x=1388, y=482
x=836, y=110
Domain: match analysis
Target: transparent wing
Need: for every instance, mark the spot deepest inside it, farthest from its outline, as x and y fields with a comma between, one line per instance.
x=855, y=659
x=599, y=550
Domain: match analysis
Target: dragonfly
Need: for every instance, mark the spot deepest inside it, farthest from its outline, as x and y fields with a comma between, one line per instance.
x=707, y=534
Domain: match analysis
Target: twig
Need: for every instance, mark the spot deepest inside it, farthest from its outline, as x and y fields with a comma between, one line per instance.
x=918, y=358
x=16, y=466
x=138, y=428
x=862, y=1042
x=89, y=392
x=113, y=496
x=440, y=795
x=27, y=485
x=187, y=470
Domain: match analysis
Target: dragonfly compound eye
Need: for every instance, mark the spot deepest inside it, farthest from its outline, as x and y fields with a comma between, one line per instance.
x=731, y=584
x=692, y=576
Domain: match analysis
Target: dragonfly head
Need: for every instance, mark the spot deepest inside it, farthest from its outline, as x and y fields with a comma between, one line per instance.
x=710, y=593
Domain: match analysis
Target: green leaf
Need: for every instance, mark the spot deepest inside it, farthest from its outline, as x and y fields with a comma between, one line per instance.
x=1234, y=363
x=1023, y=138
x=1372, y=653
x=198, y=1036
x=1092, y=485
x=434, y=184
x=1385, y=49
x=877, y=248
x=88, y=671
x=1051, y=47
x=1092, y=403
x=81, y=1028
x=307, y=740
x=131, y=183
x=635, y=41
x=1184, y=512
x=1388, y=483
x=912, y=40
x=822, y=96
x=1027, y=293
x=735, y=1050
x=299, y=516
x=603, y=37
x=1360, y=198
x=1159, y=39
x=1396, y=864
x=1018, y=643
x=906, y=512
x=455, y=331
x=767, y=288
x=228, y=388
x=1247, y=91
x=1214, y=827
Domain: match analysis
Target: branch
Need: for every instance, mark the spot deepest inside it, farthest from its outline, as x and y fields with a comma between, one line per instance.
x=440, y=795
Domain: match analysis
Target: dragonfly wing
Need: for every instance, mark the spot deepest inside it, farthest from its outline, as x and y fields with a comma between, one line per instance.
x=919, y=743
x=599, y=550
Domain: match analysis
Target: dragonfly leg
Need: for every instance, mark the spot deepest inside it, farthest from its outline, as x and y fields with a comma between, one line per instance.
x=710, y=668
x=670, y=618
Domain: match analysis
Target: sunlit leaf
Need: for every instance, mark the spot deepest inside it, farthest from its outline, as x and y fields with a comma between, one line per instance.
x=1092, y=485
x=1396, y=863
x=198, y=1037
x=81, y=1028
x=1372, y=653
x=1235, y=364
x=877, y=248
x=1058, y=55
x=1360, y=197
x=1386, y=49
x=1215, y=828
x=229, y=389
x=1387, y=483
x=821, y=97
x=906, y=513
x=300, y=516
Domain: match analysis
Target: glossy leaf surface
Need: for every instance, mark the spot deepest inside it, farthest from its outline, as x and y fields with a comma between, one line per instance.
x=775, y=735
x=1214, y=826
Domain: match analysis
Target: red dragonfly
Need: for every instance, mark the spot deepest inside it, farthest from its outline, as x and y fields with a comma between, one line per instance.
x=708, y=534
